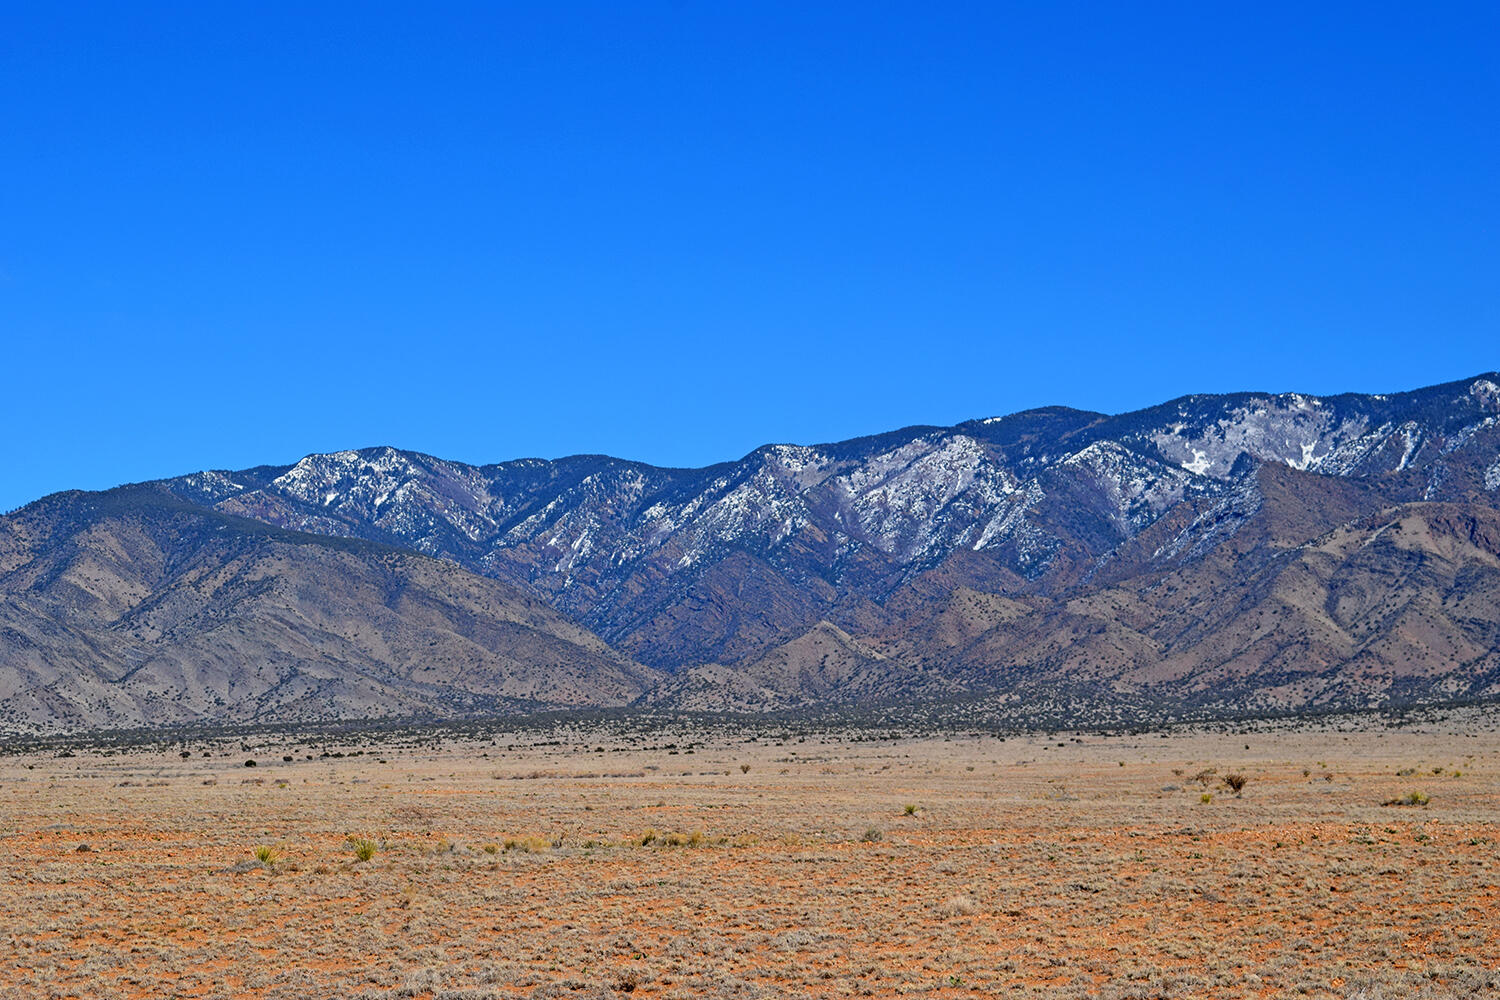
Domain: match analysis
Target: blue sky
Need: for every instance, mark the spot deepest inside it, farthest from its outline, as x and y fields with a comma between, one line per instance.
x=233, y=235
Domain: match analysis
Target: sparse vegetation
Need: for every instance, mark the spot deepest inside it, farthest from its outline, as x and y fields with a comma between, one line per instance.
x=364, y=848
x=1235, y=782
x=267, y=855
x=1026, y=879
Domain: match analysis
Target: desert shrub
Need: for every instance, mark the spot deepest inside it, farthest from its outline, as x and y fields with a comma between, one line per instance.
x=910, y=810
x=1409, y=799
x=267, y=855
x=871, y=835
x=647, y=838
x=1206, y=776
x=491, y=848
x=528, y=845
x=961, y=905
x=744, y=768
x=364, y=848
x=1235, y=782
x=1206, y=798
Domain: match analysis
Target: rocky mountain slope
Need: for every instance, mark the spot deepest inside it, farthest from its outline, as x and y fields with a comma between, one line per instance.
x=132, y=608
x=1239, y=552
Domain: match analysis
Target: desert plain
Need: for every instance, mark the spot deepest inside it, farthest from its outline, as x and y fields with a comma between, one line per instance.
x=1359, y=859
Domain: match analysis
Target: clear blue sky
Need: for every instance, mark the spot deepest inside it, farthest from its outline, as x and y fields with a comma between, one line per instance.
x=236, y=234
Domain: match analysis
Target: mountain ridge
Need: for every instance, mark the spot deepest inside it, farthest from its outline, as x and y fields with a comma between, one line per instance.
x=729, y=577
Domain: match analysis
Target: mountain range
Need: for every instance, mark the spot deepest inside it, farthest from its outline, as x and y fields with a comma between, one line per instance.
x=1216, y=555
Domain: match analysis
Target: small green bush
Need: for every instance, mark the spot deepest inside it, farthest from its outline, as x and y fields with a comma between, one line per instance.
x=364, y=847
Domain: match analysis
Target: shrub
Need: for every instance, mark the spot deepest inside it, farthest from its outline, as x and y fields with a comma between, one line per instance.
x=1409, y=799
x=1206, y=798
x=1235, y=782
x=871, y=835
x=267, y=855
x=491, y=848
x=744, y=768
x=911, y=810
x=959, y=906
x=364, y=847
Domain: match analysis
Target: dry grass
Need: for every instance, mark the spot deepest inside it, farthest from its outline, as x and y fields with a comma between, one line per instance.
x=1032, y=869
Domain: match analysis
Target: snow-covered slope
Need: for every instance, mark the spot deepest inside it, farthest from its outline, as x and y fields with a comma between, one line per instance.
x=1212, y=554
x=1047, y=497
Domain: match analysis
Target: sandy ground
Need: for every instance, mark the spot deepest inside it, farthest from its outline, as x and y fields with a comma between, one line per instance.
x=585, y=864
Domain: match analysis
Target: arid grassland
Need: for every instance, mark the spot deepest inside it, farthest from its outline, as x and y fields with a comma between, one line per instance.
x=599, y=863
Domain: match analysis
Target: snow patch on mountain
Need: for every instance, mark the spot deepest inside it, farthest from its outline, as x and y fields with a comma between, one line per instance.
x=897, y=498
x=211, y=485
x=1217, y=524
x=1463, y=435
x=1487, y=394
x=1296, y=430
x=1136, y=488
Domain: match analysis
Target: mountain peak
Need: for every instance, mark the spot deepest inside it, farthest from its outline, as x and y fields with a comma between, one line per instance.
x=1090, y=529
